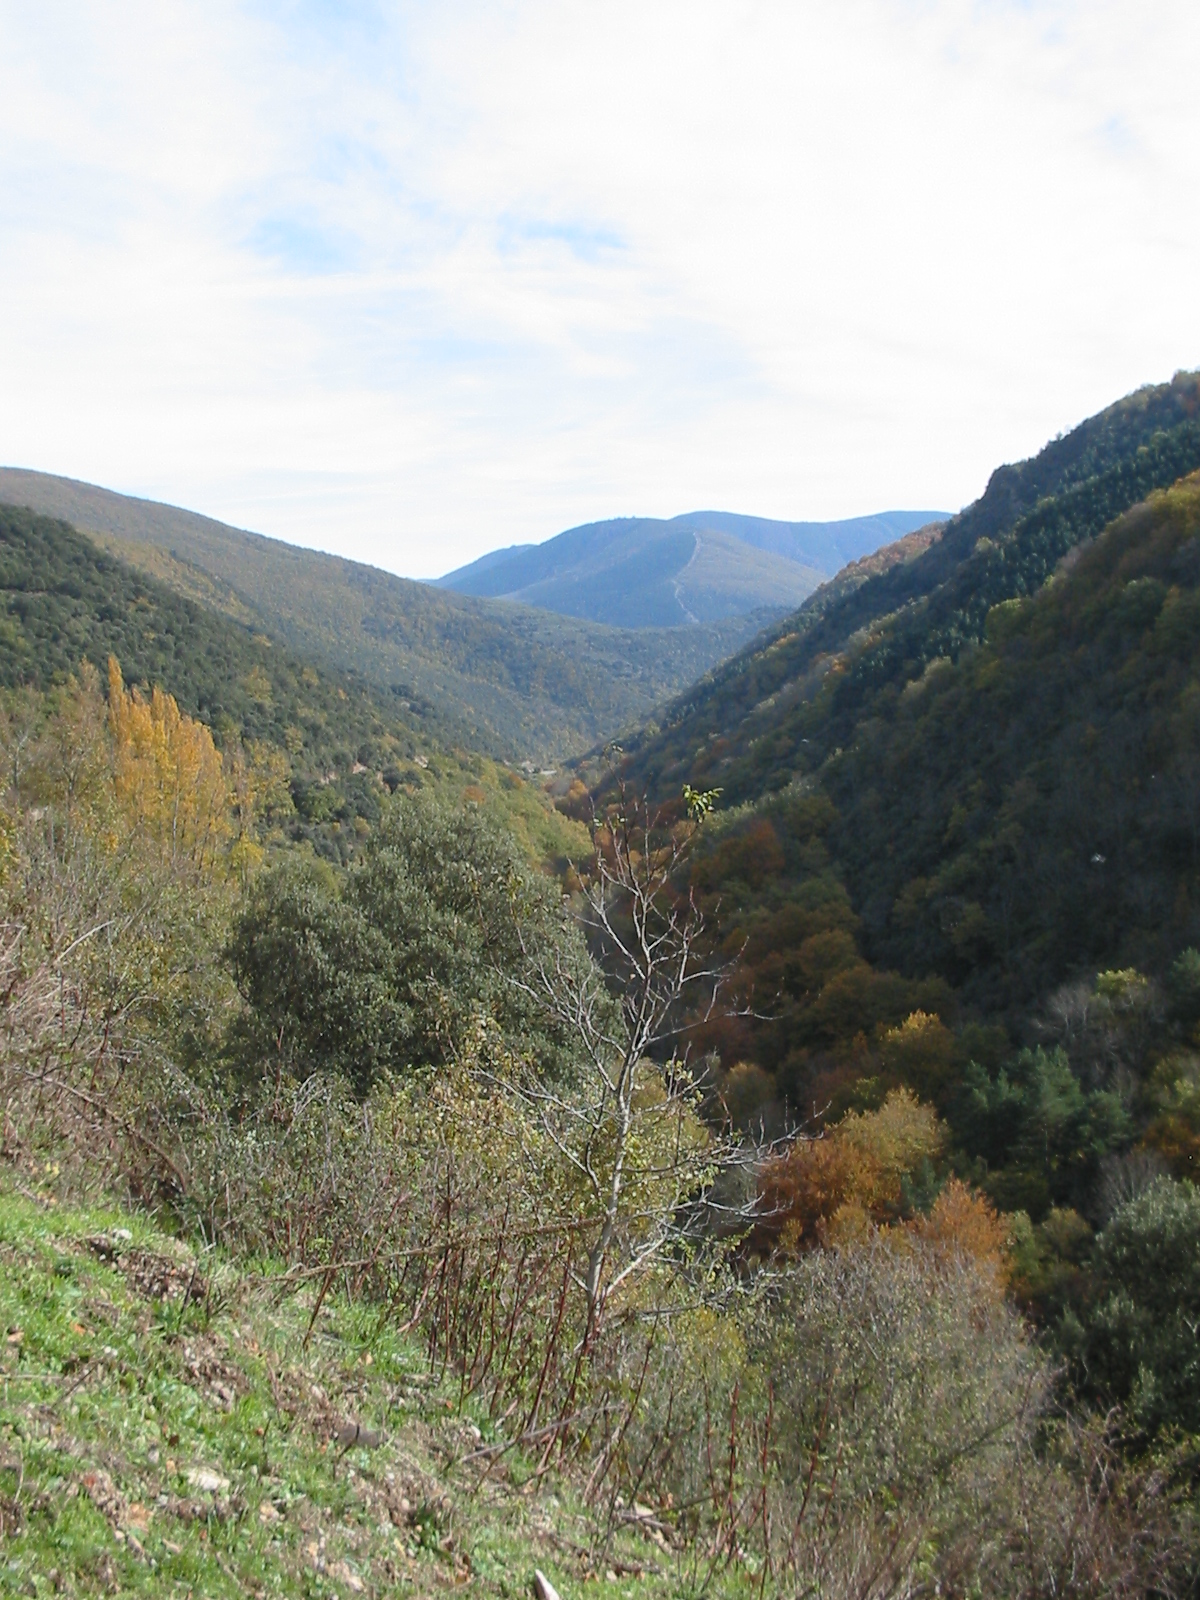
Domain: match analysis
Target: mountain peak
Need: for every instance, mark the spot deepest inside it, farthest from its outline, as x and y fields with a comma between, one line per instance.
x=700, y=566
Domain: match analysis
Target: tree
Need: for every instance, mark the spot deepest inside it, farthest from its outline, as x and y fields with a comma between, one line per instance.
x=962, y=1222
x=311, y=969
x=1040, y=1132
x=856, y=1175
x=402, y=961
x=628, y=1125
x=168, y=773
x=113, y=903
x=1183, y=988
x=1138, y=1343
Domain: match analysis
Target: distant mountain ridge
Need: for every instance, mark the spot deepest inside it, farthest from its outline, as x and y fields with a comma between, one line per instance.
x=507, y=680
x=703, y=566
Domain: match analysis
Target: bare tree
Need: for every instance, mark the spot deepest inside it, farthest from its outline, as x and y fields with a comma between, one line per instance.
x=628, y=1127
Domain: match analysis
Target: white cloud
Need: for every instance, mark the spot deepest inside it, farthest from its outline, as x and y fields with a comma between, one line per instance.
x=413, y=281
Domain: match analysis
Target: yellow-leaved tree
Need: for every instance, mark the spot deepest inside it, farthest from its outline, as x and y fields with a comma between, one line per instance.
x=259, y=784
x=168, y=776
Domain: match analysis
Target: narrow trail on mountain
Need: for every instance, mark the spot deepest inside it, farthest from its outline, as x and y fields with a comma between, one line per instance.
x=678, y=581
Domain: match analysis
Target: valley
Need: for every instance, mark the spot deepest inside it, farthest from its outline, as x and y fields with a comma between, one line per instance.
x=517, y=683
x=757, y=1157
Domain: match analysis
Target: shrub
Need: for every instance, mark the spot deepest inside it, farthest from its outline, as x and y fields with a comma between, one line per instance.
x=1138, y=1344
x=429, y=935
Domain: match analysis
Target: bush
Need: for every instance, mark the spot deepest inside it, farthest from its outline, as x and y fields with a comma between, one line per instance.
x=424, y=942
x=902, y=1362
x=1138, y=1344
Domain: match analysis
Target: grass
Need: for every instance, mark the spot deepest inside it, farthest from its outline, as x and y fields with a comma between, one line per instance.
x=180, y=1426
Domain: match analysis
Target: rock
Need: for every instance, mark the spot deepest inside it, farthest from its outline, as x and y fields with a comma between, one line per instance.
x=206, y=1480
x=350, y=1434
x=104, y=1495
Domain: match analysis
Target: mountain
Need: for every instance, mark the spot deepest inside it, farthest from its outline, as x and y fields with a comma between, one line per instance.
x=774, y=711
x=510, y=680
x=345, y=741
x=954, y=784
x=828, y=546
x=642, y=572
x=63, y=600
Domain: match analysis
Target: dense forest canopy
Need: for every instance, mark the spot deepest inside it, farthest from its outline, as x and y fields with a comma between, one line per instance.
x=1032, y=809
x=955, y=849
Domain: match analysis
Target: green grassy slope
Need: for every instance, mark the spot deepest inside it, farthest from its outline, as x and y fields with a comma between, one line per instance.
x=170, y=1425
x=518, y=682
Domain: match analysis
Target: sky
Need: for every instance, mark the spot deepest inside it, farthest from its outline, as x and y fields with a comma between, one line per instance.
x=413, y=281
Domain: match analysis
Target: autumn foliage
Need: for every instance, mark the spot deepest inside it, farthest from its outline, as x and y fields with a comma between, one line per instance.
x=168, y=775
x=173, y=787
x=963, y=1221
x=853, y=1176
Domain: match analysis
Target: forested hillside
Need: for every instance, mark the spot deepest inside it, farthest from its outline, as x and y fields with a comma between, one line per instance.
x=517, y=683
x=767, y=715
x=340, y=744
x=1022, y=817
x=1034, y=807
x=65, y=600
x=957, y=819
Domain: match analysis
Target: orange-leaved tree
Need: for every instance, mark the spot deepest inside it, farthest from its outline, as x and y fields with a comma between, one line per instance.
x=963, y=1222
x=850, y=1179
